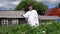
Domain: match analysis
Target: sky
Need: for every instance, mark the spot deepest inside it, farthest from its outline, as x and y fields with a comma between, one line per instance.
x=7, y=4
x=50, y=3
x=13, y=3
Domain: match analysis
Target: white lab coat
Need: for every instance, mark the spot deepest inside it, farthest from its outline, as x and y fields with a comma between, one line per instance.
x=32, y=17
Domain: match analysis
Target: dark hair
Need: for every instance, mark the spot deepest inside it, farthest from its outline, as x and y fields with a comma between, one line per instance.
x=29, y=5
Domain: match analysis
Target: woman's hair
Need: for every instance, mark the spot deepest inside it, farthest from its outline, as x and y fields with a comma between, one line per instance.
x=29, y=5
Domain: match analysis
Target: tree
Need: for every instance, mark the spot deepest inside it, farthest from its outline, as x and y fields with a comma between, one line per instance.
x=40, y=7
x=58, y=5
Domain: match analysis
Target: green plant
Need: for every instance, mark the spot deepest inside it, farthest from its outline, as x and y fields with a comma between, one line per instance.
x=43, y=28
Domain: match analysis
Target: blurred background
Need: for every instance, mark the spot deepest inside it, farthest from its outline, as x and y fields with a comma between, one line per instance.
x=11, y=4
x=40, y=5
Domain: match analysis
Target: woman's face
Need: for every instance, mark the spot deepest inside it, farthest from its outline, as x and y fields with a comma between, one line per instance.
x=30, y=8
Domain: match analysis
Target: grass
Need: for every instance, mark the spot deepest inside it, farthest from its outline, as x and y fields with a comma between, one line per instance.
x=43, y=28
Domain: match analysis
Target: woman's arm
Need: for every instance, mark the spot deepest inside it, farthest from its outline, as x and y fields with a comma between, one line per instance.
x=26, y=15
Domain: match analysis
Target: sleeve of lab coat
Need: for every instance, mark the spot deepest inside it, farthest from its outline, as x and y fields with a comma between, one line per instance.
x=36, y=16
x=26, y=15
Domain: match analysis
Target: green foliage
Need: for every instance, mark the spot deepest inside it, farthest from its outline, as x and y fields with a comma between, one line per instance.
x=43, y=28
x=40, y=7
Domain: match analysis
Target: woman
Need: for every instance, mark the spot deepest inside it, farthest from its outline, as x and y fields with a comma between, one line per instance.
x=32, y=16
